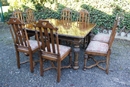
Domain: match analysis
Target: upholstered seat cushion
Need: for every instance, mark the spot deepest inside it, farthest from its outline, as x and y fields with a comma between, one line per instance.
x=101, y=37
x=34, y=44
x=98, y=47
x=62, y=49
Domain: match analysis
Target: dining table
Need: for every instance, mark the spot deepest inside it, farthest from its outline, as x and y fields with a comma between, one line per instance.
x=74, y=32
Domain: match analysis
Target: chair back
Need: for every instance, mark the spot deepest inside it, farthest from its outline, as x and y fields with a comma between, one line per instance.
x=48, y=37
x=18, y=32
x=30, y=16
x=83, y=16
x=18, y=14
x=66, y=17
x=114, y=29
x=66, y=14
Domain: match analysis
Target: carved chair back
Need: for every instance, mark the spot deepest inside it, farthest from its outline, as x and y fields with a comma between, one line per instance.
x=50, y=40
x=114, y=30
x=30, y=16
x=83, y=16
x=18, y=14
x=66, y=14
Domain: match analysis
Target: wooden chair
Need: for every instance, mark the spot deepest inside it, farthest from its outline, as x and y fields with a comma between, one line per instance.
x=103, y=37
x=50, y=49
x=30, y=20
x=18, y=14
x=66, y=14
x=30, y=16
x=66, y=17
x=96, y=48
x=83, y=18
x=21, y=42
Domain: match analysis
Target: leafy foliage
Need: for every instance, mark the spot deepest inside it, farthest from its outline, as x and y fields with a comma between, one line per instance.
x=102, y=12
x=4, y=2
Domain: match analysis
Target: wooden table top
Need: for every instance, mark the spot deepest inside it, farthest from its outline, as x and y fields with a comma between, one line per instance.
x=74, y=29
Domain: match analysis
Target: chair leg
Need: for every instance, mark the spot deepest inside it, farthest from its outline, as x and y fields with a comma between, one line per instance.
x=85, y=61
x=70, y=59
x=84, y=42
x=59, y=41
x=107, y=62
x=41, y=66
x=31, y=62
x=18, y=58
x=52, y=64
x=58, y=70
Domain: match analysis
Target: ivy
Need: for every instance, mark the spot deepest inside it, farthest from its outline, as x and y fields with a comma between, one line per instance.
x=102, y=12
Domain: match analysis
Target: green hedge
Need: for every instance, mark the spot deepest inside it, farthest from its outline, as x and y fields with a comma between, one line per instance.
x=102, y=12
x=4, y=2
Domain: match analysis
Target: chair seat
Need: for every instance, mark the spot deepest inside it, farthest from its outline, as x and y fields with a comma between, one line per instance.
x=62, y=49
x=101, y=37
x=98, y=47
x=33, y=45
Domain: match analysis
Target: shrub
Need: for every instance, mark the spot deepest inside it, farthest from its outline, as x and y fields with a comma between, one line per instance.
x=102, y=12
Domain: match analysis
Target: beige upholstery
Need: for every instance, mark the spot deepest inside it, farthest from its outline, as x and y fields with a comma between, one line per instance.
x=33, y=44
x=98, y=47
x=63, y=49
x=101, y=37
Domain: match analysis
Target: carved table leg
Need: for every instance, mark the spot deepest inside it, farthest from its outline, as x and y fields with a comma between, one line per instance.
x=89, y=38
x=86, y=40
x=76, y=55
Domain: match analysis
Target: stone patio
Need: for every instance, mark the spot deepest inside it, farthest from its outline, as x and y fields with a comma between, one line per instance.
x=11, y=76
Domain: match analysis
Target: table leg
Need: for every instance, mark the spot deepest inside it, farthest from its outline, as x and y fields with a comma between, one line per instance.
x=86, y=40
x=76, y=55
x=89, y=38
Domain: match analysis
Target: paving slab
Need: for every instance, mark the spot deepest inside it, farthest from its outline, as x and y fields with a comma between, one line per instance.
x=11, y=76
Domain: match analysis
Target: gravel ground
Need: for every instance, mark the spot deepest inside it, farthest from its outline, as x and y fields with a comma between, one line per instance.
x=11, y=76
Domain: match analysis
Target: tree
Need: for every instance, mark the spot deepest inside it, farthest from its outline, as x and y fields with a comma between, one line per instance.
x=4, y=2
